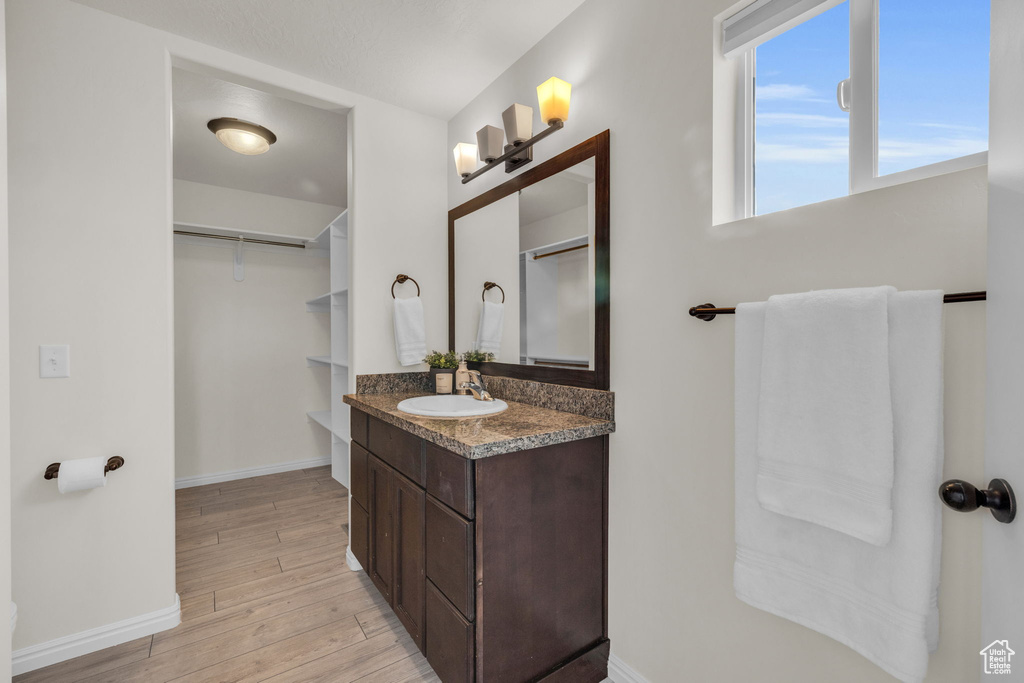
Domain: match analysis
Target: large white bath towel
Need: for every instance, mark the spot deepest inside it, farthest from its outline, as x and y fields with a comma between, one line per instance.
x=824, y=439
x=879, y=600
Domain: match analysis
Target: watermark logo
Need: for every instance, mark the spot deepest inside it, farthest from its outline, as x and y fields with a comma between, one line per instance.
x=996, y=657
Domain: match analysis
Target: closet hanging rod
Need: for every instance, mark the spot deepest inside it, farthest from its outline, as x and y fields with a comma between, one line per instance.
x=249, y=240
x=707, y=312
x=560, y=251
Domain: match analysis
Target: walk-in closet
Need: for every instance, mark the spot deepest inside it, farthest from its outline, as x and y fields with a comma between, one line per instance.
x=261, y=282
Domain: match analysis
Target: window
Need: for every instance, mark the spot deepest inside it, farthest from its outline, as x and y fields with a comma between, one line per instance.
x=842, y=97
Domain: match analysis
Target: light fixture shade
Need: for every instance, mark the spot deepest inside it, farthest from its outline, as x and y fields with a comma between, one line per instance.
x=491, y=141
x=518, y=121
x=241, y=136
x=465, y=158
x=553, y=96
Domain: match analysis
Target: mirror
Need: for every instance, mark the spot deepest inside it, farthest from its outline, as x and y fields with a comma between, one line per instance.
x=528, y=271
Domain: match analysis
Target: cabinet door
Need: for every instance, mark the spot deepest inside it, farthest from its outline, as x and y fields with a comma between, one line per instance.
x=358, y=530
x=379, y=487
x=407, y=509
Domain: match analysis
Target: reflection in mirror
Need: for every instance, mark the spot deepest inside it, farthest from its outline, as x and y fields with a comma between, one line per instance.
x=536, y=245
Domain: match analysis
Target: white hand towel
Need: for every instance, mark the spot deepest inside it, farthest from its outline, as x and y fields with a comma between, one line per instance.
x=492, y=320
x=880, y=601
x=410, y=331
x=825, y=444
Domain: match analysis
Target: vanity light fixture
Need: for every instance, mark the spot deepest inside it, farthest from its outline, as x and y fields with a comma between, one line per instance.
x=553, y=96
x=241, y=136
x=490, y=139
x=465, y=158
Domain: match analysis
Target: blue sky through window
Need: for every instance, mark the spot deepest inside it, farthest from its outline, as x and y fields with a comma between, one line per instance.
x=932, y=100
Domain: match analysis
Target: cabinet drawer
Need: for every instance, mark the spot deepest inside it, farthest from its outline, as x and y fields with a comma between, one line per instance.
x=450, y=556
x=450, y=479
x=358, y=534
x=357, y=487
x=359, y=422
x=398, y=448
x=449, y=640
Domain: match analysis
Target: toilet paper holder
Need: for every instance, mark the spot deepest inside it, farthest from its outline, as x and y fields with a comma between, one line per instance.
x=113, y=463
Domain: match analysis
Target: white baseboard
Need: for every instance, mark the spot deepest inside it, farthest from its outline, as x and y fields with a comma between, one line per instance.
x=351, y=560
x=203, y=479
x=78, y=644
x=620, y=672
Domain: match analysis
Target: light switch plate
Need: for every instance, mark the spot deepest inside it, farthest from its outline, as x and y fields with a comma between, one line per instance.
x=54, y=361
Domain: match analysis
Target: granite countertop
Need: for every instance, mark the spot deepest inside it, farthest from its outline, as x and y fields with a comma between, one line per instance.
x=521, y=427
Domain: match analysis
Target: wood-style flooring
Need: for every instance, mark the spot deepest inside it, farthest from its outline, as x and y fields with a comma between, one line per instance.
x=265, y=596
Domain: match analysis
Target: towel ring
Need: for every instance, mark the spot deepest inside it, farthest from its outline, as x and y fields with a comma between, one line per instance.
x=401, y=280
x=113, y=463
x=492, y=285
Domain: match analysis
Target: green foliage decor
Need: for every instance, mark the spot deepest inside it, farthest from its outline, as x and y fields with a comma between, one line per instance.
x=437, y=359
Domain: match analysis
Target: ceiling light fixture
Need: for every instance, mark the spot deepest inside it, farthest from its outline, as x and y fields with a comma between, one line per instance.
x=553, y=96
x=241, y=136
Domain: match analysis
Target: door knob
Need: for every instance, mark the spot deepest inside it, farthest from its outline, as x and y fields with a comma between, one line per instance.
x=964, y=497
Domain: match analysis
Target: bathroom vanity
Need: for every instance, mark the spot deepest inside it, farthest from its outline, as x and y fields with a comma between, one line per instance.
x=488, y=536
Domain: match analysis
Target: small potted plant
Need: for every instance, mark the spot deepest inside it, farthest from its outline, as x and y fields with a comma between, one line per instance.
x=442, y=363
x=477, y=356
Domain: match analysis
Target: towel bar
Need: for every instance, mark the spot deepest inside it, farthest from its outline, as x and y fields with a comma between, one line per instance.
x=113, y=463
x=707, y=312
x=998, y=497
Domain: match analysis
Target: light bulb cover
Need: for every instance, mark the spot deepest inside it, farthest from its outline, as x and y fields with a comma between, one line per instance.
x=553, y=96
x=465, y=158
x=242, y=136
x=491, y=141
x=518, y=120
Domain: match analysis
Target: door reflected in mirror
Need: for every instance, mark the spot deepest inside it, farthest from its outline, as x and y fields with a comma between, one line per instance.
x=536, y=246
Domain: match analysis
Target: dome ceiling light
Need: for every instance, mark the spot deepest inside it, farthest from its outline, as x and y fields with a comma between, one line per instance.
x=241, y=136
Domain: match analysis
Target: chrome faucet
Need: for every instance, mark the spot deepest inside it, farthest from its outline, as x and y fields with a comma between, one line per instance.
x=476, y=386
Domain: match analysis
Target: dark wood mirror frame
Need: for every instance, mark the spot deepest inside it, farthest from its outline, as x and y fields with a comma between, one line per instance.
x=598, y=378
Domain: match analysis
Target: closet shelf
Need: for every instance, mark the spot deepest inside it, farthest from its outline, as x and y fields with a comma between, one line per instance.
x=323, y=240
x=217, y=231
x=320, y=304
x=323, y=361
x=321, y=417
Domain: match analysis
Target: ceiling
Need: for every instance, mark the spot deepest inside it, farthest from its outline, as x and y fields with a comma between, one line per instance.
x=432, y=56
x=308, y=162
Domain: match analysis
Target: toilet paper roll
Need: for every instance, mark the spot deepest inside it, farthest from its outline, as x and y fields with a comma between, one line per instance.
x=81, y=474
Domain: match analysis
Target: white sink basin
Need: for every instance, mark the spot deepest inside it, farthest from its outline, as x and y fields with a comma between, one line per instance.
x=450, y=405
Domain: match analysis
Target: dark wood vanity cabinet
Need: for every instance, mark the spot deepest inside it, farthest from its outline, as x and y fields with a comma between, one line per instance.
x=497, y=567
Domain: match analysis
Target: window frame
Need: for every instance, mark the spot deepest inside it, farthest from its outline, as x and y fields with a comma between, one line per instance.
x=863, y=133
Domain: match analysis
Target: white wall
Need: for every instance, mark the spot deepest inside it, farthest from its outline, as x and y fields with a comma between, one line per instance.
x=242, y=387
x=91, y=233
x=487, y=250
x=225, y=207
x=558, y=228
x=400, y=226
x=92, y=268
x=1003, y=594
x=644, y=70
x=5, y=394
